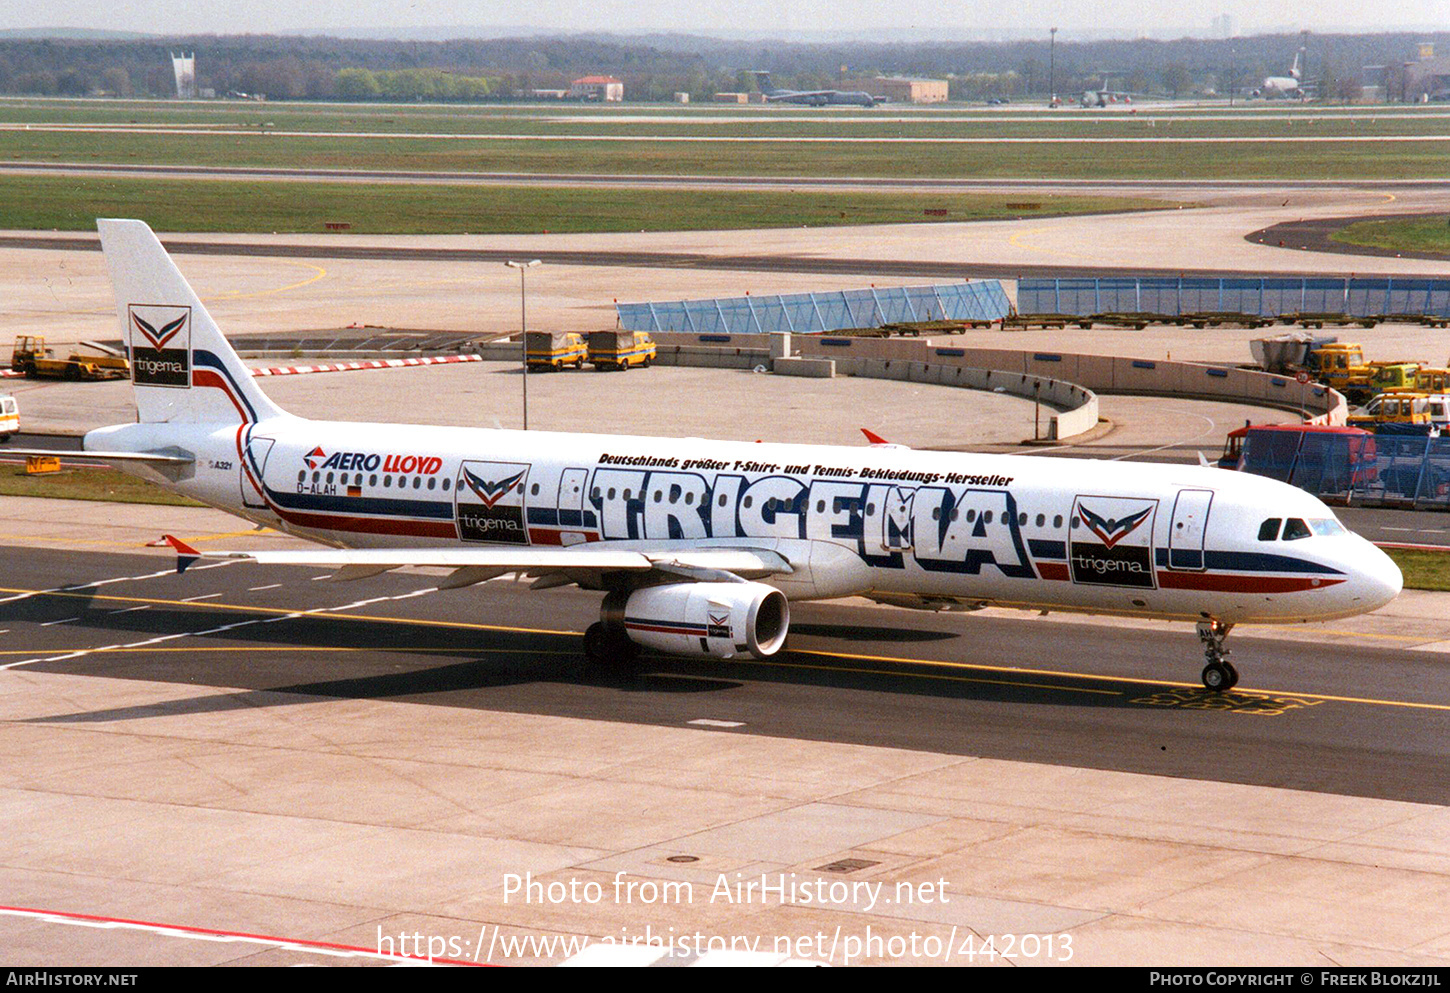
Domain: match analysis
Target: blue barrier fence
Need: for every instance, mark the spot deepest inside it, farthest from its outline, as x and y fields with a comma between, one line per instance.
x=1267, y=296
x=1399, y=469
x=807, y=313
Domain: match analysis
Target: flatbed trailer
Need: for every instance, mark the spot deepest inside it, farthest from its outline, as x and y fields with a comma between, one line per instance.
x=1019, y=322
x=1136, y=321
x=1218, y=319
x=1318, y=320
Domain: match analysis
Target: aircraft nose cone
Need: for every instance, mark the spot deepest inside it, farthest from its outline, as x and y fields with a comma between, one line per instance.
x=1380, y=578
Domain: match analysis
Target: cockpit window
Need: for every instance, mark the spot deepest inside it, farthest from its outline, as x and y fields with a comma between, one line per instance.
x=1324, y=526
x=1295, y=528
x=1269, y=530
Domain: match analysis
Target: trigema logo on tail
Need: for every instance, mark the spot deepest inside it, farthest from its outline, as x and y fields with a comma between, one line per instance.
x=489, y=502
x=160, y=340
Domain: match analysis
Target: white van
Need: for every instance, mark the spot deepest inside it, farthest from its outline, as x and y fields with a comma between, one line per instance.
x=9, y=416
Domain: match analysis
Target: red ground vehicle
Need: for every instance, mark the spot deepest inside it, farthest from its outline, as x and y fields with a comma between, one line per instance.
x=1320, y=458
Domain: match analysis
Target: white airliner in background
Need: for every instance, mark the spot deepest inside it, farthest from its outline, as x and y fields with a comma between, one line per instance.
x=700, y=545
x=1283, y=86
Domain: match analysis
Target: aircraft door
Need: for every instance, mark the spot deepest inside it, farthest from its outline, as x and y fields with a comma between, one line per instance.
x=252, y=472
x=571, y=505
x=1188, y=530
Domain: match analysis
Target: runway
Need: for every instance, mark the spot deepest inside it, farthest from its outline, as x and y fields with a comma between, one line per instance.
x=757, y=139
x=1373, y=723
x=1221, y=191
x=613, y=258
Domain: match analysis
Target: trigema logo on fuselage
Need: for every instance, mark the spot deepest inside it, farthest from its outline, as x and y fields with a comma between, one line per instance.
x=1114, y=545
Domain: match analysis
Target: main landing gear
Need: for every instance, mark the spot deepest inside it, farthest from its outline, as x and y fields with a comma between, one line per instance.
x=1219, y=674
x=608, y=647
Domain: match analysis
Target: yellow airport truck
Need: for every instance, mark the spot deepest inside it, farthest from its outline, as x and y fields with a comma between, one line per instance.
x=1399, y=408
x=34, y=359
x=555, y=349
x=1380, y=377
x=620, y=349
x=1335, y=363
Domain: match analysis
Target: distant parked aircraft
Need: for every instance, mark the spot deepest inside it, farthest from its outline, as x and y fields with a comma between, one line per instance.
x=814, y=98
x=1102, y=98
x=1283, y=87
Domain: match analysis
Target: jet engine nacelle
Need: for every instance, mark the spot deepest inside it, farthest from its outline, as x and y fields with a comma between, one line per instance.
x=718, y=619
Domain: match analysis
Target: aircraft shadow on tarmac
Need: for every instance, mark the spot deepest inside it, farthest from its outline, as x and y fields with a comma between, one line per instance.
x=863, y=632
x=321, y=657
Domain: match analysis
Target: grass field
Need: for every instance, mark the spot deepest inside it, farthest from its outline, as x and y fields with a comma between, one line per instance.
x=87, y=484
x=1423, y=570
x=1030, y=160
x=1413, y=234
x=73, y=203
x=724, y=120
x=557, y=140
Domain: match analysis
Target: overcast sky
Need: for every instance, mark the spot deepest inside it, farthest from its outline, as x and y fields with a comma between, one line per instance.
x=955, y=18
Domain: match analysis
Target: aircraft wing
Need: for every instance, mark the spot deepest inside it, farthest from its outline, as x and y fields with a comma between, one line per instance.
x=550, y=566
x=130, y=458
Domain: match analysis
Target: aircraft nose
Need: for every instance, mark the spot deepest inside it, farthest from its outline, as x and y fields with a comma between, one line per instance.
x=1378, y=577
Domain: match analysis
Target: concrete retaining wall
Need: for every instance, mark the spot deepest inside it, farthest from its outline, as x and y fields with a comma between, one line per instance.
x=1073, y=408
x=1102, y=374
x=810, y=368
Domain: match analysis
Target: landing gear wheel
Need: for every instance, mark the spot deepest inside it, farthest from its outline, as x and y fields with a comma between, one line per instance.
x=610, y=648
x=1219, y=675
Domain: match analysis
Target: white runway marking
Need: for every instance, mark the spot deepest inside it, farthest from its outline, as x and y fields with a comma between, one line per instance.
x=330, y=949
x=1210, y=425
x=67, y=620
x=269, y=586
x=105, y=582
x=219, y=629
x=709, y=723
x=204, y=596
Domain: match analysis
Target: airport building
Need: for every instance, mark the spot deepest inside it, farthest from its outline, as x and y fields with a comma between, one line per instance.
x=1425, y=78
x=1429, y=75
x=604, y=89
x=909, y=89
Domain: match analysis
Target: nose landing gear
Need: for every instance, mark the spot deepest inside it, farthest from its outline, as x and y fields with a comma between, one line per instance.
x=1219, y=674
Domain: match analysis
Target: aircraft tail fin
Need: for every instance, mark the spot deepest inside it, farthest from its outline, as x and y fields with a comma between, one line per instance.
x=182, y=368
x=1294, y=69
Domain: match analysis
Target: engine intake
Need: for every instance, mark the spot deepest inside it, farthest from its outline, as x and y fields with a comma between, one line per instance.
x=722, y=620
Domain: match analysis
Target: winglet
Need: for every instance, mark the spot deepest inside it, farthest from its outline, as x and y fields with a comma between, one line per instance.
x=873, y=437
x=185, y=554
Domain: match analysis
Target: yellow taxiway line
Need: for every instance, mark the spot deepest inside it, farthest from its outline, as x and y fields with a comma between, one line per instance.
x=323, y=612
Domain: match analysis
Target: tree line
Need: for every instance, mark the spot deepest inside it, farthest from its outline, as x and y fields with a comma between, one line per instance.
x=655, y=67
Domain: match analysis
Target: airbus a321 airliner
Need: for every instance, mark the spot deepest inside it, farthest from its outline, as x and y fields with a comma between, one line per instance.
x=700, y=545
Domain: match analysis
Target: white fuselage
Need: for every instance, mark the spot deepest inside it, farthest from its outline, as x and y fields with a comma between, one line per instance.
x=1165, y=541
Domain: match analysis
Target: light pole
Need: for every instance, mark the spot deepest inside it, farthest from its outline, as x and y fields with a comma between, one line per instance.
x=1052, y=68
x=523, y=267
